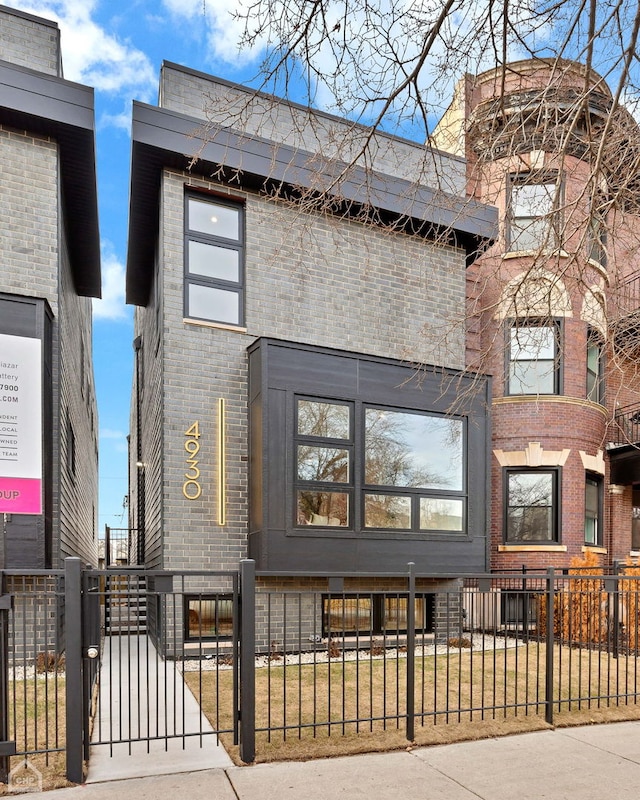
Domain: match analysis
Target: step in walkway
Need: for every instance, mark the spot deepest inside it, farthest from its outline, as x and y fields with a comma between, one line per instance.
x=140, y=696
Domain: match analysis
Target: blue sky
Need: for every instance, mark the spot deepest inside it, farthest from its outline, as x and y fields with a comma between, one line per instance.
x=117, y=46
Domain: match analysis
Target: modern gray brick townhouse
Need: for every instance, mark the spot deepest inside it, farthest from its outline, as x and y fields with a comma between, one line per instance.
x=49, y=271
x=285, y=295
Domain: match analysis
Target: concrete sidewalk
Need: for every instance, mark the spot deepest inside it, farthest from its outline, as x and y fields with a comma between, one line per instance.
x=143, y=696
x=589, y=763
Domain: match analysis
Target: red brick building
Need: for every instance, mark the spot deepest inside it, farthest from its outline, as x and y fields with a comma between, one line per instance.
x=551, y=308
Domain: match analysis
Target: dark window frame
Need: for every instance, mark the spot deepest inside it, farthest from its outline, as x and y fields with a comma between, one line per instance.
x=378, y=614
x=635, y=519
x=535, y=322
x=71, y=447
x=519, y=608
x=554, y=217
x=597, y=482
x=206, y=597
x=239, y=245
x=597, y=239
x=556, y=499
x=356, y=488
x=595, y=386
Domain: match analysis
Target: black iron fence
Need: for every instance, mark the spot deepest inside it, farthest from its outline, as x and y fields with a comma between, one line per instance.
x=113, y=658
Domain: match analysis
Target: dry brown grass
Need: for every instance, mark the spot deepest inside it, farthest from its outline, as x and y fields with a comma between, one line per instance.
x=465, y=695
x=37, y=721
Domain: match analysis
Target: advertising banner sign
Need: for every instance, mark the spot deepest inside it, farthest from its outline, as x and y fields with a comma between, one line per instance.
x=20, y=425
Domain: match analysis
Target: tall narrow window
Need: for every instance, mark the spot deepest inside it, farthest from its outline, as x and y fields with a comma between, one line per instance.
x=635, y=521
x=533, y=215
x=593, y=510
x=597, y=239
x=214, y=260
x=324, y=454
x=595, y=371
x=71, y=446
x=531, y=506
x=533, y=355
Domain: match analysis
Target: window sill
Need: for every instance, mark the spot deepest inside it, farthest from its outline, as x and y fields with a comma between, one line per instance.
x=532, y=548
x=377, y=533
x=534, y=253
x=219, y=325
x=594, y=548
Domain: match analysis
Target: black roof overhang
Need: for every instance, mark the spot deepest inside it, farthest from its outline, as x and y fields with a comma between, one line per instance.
x=625, y=464
x=163, y=138
x=50, y=106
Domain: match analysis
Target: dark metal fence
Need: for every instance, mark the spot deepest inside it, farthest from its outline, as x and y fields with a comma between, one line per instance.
x=628, y=422
x=32, y=667
x=275, y=659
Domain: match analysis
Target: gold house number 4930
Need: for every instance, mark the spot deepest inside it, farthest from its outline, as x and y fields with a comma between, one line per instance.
x=191, y=487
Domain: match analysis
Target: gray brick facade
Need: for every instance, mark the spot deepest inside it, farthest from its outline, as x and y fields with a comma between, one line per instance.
x=49, y=269
x=30, y=41
x=311, y=277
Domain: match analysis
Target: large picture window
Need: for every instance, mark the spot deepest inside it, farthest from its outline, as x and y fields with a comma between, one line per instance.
x=533, y=358
x=531, y=506
x=533, y=217
x=214, y=260
x=366, y=467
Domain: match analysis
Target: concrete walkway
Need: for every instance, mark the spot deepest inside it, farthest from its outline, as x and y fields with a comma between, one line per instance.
x=589, y=763
x=141, y=696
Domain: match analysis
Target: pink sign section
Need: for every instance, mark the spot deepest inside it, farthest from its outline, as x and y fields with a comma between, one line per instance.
x=20, y=496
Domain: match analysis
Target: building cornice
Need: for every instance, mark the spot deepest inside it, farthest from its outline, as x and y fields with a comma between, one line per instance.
x=49, y=106
x=163, y=138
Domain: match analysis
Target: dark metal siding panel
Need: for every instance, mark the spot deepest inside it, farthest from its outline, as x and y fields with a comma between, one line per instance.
x=275, y=550
x=276, y=469
x=307, y=370
x=301, y=369
x=64, y=111
x=256, y=465
x=28, y=537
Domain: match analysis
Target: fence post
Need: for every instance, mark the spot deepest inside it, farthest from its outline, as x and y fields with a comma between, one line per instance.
x=7, y=748
x=549, y=677
x=411, y=652
x=73, y=666
x=616, y=609
x=247, y=660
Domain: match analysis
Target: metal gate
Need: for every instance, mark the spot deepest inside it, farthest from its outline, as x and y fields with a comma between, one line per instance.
x=161, y=631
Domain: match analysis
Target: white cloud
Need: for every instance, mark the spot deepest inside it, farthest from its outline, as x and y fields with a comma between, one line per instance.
x=121, y=121
x=112, y=305
x=224, y=30
x=90, y=55
x=118, y=440
x=110, y=433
